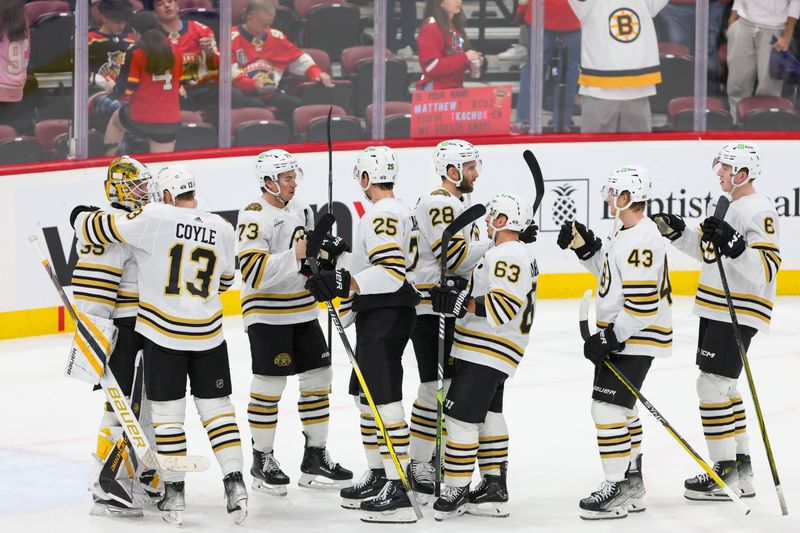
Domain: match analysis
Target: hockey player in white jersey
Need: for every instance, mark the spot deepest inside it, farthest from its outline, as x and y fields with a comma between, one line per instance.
x=748, y=239
x=375, y=290
x=280, y=316
x=186, y=258
x=491, y=334
x=458, y=164
x=104, y=289
x=634, y=318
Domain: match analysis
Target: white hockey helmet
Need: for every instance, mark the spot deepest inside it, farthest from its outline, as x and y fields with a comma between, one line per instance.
x=273, y=163
x=631, y=178
x=177, y=179
x=380, y=164
x=740, y=155
x=454, y=152
x=127, y=182
x=518, y=211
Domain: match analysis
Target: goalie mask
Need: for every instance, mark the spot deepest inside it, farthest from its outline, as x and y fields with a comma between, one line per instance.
x=127, y=183
x=379, y=163
x=456, y=153
x=635, y=180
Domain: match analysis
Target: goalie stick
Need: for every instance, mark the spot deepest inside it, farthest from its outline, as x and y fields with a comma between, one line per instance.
x=585, y=334
x=146, y=454
x=467, y=217
x=322, y=228
x=722, y=207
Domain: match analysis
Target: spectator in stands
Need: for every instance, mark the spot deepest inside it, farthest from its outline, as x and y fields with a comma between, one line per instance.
x=108, y=45
x=679, y=24
x=559, y=24
x=518, y=52
x=752, y=27
x=151, y=86
x=619, y=63
x=404, y=47
x=197, y=48
x=444, y=49
x=261, y=56
x=15, y=52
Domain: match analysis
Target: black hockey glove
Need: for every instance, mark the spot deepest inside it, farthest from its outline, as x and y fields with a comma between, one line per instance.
x=669, y=225
x=328, y=284
x=528, y=235
x=451, y=299
x=579, y=239
x=601, y=345
x=330, y=250
x=729, y=241
x=81, y=209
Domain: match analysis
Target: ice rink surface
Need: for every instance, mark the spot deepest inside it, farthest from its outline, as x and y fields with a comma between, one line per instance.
x=49, y=427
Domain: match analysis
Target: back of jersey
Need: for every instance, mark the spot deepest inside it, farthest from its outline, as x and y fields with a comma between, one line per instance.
x=186, y=258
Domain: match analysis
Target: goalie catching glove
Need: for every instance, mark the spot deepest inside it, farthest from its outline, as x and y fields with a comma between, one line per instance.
x=579, y=239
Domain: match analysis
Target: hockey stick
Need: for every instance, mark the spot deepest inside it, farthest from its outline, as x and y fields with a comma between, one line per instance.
x=585, y=334
x=467, y=217
x=538, y=177
x=146, y=454
x=330, y=206
x=312, y=249
x=722, y=207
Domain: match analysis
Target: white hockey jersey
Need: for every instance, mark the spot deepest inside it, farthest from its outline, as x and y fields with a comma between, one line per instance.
x=378, y=260
x=433, y=212
x=186, y=258
x=273, y=290
x=619, y=48
x=752, y=277
x=633, y=289
x=506, y=278
x=104, y=279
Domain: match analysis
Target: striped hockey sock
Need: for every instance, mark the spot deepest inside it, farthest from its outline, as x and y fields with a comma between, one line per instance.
x=314, y=409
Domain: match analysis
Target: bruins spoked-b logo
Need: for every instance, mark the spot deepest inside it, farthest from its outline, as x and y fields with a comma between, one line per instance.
x=624, y=25
x=283, y=359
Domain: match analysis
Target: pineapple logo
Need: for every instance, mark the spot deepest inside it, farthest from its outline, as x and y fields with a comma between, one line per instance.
x=564, y=208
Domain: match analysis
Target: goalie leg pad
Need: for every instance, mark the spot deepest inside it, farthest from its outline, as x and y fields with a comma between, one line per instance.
x=83, y=363
x=262, y=412
x=716, y=413
x=219, y=419
x=613, y=438
x=313, y=405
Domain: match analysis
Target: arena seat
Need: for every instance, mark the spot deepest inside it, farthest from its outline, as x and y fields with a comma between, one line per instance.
x=321, y=18
x=36, y=10
x=51, y=42
x=195, y=136
x=303, y=115
x=95, y=11
x=261, y=133
x=7, y=132
x=681, y=114
x=18, y=150
x=677, y=76
x=354, y=55
x=46, y=132
x=768, y=113
x=343, y=128
x=207, y=17
x=389, y=109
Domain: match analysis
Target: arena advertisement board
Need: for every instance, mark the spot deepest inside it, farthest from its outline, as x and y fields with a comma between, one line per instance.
x=683, y=183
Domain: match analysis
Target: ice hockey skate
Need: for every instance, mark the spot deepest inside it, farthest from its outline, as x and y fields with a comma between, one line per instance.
x=452, y=503
x=421, y=477
x=368, y=486
x=636, y=492
x=172, y=503
x=114, y=509
x=703, y=488
x=390, y=506
x=745, y=470
x=490, y=497
x=236, y=496
x=267, y=474
x=607, y=502
x=320, y=472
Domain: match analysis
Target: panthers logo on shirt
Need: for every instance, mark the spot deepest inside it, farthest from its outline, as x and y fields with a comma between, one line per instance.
x=624, y=25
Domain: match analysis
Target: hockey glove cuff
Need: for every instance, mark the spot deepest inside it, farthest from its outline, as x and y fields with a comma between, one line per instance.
x=449, y=301
x=722, y=235
x=669, y=225
x=601, y=345
x=81, y=209
x=328, y=284
x=579, y=239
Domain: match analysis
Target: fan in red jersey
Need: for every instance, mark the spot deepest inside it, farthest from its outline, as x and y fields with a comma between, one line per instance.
x=261, y=56
x=151, y=87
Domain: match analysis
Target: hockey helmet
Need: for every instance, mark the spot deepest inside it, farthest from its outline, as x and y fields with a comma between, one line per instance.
x=380, y=164
x=632, y=179
x=127, y=182
x=518, y=211
x=273, y=163
x=177, y=179
x=739, y=155
x=454, y=152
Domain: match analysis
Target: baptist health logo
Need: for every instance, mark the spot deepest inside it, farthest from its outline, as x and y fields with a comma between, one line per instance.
x=564, y=200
